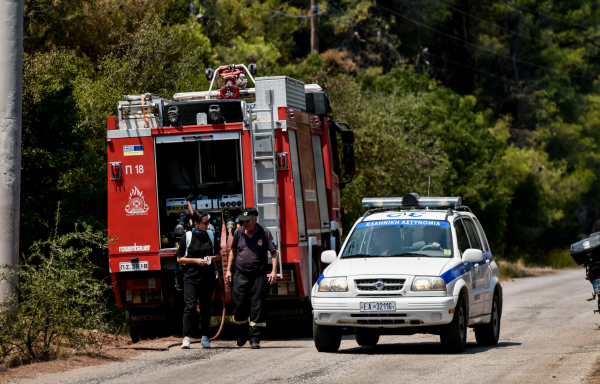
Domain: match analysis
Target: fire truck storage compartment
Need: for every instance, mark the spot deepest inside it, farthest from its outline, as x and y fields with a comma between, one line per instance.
x=207, y=165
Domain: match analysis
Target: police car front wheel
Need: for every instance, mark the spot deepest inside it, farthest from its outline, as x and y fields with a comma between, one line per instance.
x=327, y=339
x=454, y=335
x=488, y=334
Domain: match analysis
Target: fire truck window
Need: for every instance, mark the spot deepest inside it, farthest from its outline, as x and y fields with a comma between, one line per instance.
x=178, y=166
x=219, y=161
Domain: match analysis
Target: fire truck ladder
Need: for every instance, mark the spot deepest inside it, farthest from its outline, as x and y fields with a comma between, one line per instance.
x=264, y=160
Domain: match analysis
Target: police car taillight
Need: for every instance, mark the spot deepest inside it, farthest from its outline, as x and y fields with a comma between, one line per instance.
x=410, y=200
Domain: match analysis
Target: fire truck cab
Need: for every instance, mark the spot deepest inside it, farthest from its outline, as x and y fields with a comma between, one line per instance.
x=273, y=147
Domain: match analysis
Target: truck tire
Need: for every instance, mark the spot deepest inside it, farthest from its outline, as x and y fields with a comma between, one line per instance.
x=488, y=334
x=134, y=332
x=327, y=338
x=454, y=335
x=367, y=339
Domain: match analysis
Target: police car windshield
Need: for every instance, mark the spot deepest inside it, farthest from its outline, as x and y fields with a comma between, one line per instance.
x=400, y=238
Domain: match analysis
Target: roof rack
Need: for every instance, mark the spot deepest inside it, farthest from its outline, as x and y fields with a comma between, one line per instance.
x=372, y=211
x=463, y=208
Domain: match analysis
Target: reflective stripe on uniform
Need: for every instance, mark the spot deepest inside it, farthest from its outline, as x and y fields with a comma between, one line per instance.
x=253, y=324
x=241, y=321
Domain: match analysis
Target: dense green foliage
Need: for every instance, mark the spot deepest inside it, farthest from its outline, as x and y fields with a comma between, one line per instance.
x=61, y=303
x=496, y=101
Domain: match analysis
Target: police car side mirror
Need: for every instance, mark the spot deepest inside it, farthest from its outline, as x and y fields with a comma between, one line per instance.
x=472, y=255
x=328, y=257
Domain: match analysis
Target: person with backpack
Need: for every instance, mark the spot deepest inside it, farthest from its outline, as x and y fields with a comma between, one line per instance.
x=198, y=252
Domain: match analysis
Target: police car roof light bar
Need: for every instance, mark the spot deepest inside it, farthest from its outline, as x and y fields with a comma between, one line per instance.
x=411, y=200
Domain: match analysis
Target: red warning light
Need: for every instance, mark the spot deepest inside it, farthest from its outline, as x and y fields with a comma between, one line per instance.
x=282, y=161
x=115, y=171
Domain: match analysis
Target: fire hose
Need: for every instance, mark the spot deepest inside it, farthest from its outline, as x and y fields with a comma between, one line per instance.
x=224, y=288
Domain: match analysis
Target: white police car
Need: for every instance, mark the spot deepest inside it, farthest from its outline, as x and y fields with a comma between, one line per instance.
x=419, y=269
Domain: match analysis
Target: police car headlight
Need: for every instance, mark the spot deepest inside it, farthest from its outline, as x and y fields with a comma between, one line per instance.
x=425, y=283
x=338, y=284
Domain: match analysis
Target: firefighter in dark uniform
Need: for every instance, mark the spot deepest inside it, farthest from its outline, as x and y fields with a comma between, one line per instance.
x=249, y=251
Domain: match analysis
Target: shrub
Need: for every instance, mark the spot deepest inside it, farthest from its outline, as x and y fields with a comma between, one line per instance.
x=58, y=303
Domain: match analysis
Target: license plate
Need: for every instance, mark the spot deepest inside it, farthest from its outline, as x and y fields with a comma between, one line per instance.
x=132, y=267
x=378, y=307
x=596, y=284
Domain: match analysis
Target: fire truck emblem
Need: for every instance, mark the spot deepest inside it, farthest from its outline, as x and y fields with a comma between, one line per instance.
x=136, y=205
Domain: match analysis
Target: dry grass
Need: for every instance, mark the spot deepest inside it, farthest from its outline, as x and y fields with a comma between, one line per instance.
x=508, y=270
x=66, y=359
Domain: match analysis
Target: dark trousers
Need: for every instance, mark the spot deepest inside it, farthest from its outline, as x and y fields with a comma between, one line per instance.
x=192, y=291
x=250, y=295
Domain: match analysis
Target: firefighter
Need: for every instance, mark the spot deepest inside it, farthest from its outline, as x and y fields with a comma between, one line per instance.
x=249, y=249
x=197, y=251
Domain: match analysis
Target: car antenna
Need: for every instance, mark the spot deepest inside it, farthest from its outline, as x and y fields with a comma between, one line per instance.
x=429, y=186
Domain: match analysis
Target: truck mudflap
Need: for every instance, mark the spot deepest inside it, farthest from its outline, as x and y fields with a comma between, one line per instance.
x=285, y=310
x=141, y=317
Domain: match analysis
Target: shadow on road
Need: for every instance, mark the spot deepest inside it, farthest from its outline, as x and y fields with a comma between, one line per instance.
x=426, y=348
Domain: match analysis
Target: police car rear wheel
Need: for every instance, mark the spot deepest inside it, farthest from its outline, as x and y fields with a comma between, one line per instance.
x=454, y=335
x=488, y=334
x=327, y=339
x=367, y=339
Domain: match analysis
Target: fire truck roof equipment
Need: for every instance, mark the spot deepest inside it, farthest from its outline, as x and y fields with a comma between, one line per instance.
x=248, y=93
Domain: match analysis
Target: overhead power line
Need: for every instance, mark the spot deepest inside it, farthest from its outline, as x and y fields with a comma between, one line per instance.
x=509, y=2
x=490, y=23
x=466, y=66
x=480, y=46
x=528, y=36
x=287, y=14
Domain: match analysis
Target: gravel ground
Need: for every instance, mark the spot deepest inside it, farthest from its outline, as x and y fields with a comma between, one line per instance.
x=548, y=334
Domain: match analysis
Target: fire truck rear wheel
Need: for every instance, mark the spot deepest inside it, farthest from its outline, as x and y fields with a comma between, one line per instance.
x=327, y=339
x=134, y=332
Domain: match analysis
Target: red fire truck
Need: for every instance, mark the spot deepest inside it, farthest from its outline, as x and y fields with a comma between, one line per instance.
x=273, y=147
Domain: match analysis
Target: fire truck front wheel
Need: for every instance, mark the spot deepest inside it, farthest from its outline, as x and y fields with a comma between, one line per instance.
x=327, y=338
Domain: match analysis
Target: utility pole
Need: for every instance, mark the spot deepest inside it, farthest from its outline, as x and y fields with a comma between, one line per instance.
x=11, y=105
x=314, y=26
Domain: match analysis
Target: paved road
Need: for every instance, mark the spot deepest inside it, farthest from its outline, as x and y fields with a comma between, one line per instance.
x=548, y=334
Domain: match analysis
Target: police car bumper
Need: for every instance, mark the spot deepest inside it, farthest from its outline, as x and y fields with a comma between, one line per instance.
x=410, y=312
